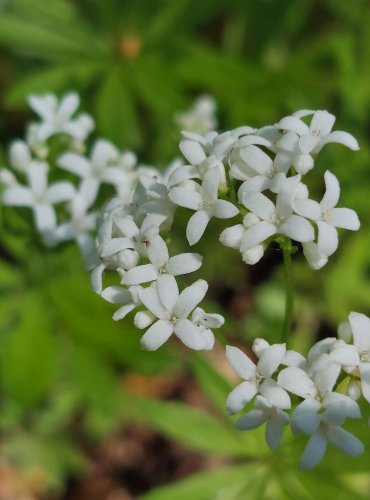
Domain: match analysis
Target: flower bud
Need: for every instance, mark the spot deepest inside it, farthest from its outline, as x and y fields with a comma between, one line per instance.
x=253, y=255
x=143, y=319
x=354, y=389
x=259, y=346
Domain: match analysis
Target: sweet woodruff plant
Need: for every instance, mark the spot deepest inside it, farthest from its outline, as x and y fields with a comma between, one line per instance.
x=252, y=178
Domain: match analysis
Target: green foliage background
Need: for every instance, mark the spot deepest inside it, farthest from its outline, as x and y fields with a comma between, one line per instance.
x=135, y=63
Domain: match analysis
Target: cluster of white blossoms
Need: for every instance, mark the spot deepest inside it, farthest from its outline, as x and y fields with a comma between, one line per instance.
x=328, y=383
x=64, y=210
x=253, y=174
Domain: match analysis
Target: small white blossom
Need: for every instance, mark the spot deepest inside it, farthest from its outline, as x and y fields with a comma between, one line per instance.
x=39, y=196
x=265, y=412
x=172, y=309
x=200, y=118
x=206, y=203
x=57, y=117
x=257, y=378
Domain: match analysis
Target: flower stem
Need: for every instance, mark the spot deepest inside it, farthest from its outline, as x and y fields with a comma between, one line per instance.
x=288, y=272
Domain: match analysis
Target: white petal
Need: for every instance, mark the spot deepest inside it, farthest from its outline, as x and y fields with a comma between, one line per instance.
x=274, y=432
x=140, y=274
x=192, y=151
x=253, y=255
x=303, y=163
x=332, y=192
x=256, y=159
x=293, y=358
x=18, y=197
x=45, y=217
x=184, y=197
x=365, y=380
x=196, y=226
x=68, y=105
x=275, y=394
x=123, y=311
x=45, y=105
x=341, y=138
x=307, y=143
x=184, y=263
x=345, y=354
x=322, y=122
x=298, y=228
x=190, y=335
x=74, y=163
x=259, y=204
x=232, y=236
x=345, y=441
x=181, y=174
x=251, y=420
x=210, y=184
x=314, y=451
x=158, y=252
x=315, y=258
x=257, y=234
x=360, y=325
x=296, y=381
x=150, y=298
x=327, y=240
x=19, y=155
x=60, y=191
x=96, y=278
x=37, y=177
x=189, y=298
x=156, y=335
x=241, y=363
x=240, y=396
x=102, y=153
x=143, y=319
x=115, y=245
x=168, y=291
x=306, y=417
x=293, y=124
x=307, y=208
x=116, y=295
x=223, y=209
x=271, y=359
x=344, y=218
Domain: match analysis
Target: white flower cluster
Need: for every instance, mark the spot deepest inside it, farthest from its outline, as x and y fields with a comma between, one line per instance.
x=33, y=162
x=259, y=173
x=330, y=380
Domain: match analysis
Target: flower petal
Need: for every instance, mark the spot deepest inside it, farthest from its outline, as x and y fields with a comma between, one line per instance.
x=74, y=163
x=116, y=295
x=140, y=274
x=298, y=228
x=256, y=159
x=223, y=209
x=189, y=298
x=156, y=335
x=197, y=225
x=275, y=394
x=18, y=197
x=184, y=263
x=314, y=451
x=240, y=396
x=192, y=151
x=341, y=138
x=327, y=240
x=271, y=359
x=185, y=197
x=360, y=325
x=274, y=432
x=251, y=420
x=332, y=192
x=297, y=381
x=365, y=380
x=45, y=217
x=256, y=234
x=150, y=298
x=168, y=291
x=344, y=218
x=241, y=363
x=345, y=441
x=190, y=335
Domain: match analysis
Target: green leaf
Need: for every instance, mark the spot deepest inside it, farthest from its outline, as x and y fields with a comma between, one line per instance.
x=214, y=385
x=223, y=483
x=191, y=427
x=115, y=111
x=28, y=355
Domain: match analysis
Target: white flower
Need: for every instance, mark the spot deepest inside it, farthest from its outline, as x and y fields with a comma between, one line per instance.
x=100, y=166
x=264, y=411
x=275, y=219
x=172, y=310
x=257, y=378
x=81, y=225
x=162, y=263
x=324, y=427
x=248, y=160
x=234, y=237
x=57, y=117
x=301, y=141
x=206, y=203
x=200, y=118
x=39, y=196
x=128, y=297
x=360, y=325
x=330, y=218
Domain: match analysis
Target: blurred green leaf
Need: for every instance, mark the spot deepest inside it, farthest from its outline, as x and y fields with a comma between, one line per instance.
x=29, y=353
x=223, y=483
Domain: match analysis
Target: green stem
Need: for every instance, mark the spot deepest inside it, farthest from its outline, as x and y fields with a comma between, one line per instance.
x=288, y=272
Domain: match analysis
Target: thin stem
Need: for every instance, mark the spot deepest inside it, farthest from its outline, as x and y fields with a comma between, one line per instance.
x=288, y=317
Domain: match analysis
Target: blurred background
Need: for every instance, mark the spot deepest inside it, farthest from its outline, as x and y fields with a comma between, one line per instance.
x=85, y=414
